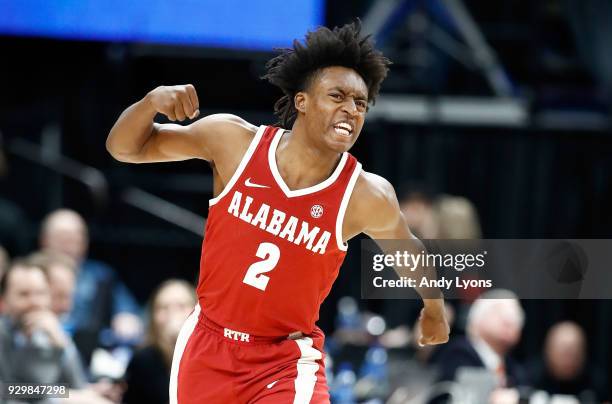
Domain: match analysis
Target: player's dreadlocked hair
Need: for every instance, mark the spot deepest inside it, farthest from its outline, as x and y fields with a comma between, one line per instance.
x=293, y=70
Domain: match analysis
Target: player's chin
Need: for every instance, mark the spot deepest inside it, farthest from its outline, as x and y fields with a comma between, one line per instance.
x=340, y=142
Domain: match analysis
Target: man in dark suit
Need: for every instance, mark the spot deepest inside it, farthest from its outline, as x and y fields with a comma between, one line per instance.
x=493, y=328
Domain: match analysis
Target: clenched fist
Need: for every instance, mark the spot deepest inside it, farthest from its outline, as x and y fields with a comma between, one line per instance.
x=176, y=102
x=433, y=324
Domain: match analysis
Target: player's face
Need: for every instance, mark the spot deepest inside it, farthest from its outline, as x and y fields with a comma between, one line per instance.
x=336, y=105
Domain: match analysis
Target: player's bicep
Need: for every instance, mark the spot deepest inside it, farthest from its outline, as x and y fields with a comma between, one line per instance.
x=204, y=139
x=169, y=142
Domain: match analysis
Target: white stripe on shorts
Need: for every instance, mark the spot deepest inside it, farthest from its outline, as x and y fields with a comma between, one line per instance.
x=179, y=348
x=307, y=368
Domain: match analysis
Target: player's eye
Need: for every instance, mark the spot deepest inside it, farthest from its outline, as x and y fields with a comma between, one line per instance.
x=336, y=96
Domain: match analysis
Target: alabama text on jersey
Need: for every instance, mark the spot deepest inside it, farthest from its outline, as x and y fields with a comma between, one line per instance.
x=271, y=254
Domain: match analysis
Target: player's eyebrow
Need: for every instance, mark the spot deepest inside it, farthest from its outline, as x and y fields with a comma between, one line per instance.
x=360, y=95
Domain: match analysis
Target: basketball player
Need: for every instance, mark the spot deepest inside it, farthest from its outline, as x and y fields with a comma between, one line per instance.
x=287, y=200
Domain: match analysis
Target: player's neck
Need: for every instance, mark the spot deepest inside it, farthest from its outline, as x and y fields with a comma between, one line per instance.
x=301, y=163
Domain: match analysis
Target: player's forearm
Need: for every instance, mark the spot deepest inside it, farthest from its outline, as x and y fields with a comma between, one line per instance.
x=421, y=274
x=132, y=130
x=433, y=298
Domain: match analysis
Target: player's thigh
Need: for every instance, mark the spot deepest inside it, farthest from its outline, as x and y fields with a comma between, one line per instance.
x=205, y=373
x=301, y=381
x=286, y=392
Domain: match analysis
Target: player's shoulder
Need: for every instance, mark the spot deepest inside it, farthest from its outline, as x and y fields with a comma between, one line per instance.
x=372, y=195
x=223, y=134
x=373, y=190
x=224, y=125
x=372, y=204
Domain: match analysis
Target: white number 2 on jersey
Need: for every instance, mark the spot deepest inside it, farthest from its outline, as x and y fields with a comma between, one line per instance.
x=270, y=254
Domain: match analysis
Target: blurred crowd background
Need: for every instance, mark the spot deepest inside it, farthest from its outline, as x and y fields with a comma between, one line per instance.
x=494, y=122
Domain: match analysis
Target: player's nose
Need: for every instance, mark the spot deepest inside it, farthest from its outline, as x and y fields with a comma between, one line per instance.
x=350, y=107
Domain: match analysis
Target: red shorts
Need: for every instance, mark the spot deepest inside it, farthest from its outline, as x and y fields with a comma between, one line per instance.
x=213, y=364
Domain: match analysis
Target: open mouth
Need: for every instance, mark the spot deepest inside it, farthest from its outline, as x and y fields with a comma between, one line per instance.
x=343, y=129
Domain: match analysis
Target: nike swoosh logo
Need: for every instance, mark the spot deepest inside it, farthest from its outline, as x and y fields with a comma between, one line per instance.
x=248, y=183
x=272, y=384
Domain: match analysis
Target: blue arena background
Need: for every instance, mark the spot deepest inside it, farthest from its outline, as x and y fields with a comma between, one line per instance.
x=238, y=24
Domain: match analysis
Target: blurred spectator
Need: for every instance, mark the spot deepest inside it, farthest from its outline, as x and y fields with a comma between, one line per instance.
x=33, y=346
x=61, y=274
x=564, y=369
x=456, y=218
x=148, y=373
x=101, y=299
x=417, y=206
x=494, y=327
x=60, y=270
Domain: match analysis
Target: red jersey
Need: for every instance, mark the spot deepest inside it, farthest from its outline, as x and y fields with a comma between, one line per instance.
x=270, y=254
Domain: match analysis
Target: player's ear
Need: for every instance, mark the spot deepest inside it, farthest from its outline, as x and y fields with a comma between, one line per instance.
x=299, y=101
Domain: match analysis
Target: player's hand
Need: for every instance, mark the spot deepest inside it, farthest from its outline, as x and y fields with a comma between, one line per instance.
x=176, y=102
x=433, y=324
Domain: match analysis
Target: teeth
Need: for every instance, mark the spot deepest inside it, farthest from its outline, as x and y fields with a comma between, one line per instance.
x=342, y=131
x=345, y=126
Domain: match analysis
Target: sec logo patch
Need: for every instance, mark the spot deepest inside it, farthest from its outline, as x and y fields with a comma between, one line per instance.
x=316, y=211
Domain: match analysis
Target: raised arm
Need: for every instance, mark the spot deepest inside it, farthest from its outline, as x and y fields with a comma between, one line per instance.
x=136, y=138
x=375, y=210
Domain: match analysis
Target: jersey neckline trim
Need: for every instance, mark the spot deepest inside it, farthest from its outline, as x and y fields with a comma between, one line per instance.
x=303, y=191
